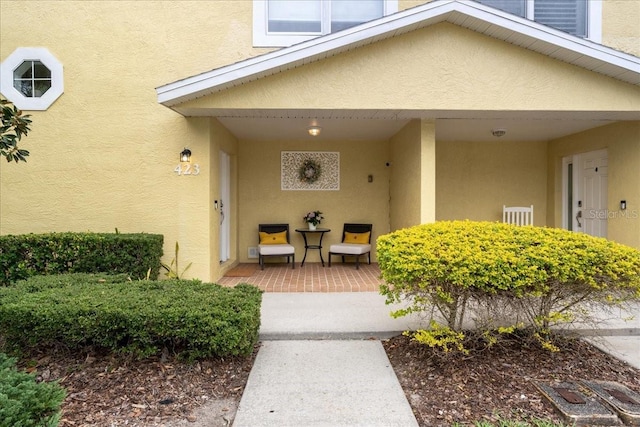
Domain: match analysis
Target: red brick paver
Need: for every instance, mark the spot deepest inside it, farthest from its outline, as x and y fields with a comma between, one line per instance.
x=312, y=278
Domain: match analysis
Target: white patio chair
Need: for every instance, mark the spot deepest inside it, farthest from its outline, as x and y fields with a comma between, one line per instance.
x=356, y=241
x=517, y=215
x=274, y=241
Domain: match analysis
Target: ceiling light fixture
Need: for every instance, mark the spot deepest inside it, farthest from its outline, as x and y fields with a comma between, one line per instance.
x=314, y=130
x=498, y=132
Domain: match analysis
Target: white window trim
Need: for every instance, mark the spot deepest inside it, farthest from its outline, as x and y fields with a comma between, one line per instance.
x=262, y=39
x=594, y=21
x=14, y=60
x=594, y=18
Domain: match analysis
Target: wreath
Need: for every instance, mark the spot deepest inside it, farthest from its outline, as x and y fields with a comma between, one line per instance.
x=310, y=171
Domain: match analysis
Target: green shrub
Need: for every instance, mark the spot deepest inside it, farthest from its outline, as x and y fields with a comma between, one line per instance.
x=190, y=318
x=545, y=276
x=23, y=402
x=23, y=256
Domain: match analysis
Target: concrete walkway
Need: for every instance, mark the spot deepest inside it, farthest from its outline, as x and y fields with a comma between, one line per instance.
x=323, y=383
x=322, y=363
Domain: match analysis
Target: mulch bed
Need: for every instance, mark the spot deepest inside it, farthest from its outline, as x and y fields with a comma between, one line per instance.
x=108, y=391
x=496, y=382
x=103, y=390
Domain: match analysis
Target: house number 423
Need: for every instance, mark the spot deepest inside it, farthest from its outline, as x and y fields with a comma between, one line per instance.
x=187, y=169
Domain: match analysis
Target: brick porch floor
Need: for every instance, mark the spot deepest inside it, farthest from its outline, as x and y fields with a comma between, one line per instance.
x=312, y=278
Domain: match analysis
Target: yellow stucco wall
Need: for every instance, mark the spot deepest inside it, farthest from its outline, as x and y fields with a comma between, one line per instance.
x=405, y=176
x=439, y=67
x=621, y=25
x=622, y=141
x=620, y=29
x=223, y=140
x=261, y=199
x=427, y=171
x=475, y=179
x=103, y=155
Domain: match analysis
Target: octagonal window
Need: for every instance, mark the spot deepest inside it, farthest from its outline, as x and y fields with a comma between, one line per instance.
x=31, y=78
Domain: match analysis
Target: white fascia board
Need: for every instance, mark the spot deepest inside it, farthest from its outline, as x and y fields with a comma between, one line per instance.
x=562, y=40
x=240, y=72
x=388, y=26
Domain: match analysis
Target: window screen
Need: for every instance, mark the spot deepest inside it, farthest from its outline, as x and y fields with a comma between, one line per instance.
x=294, y=16
x=565, y=15
x=516, y=7
x=348, y=13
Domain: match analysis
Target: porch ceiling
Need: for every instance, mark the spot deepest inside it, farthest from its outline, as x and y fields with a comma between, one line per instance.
x=369, y=125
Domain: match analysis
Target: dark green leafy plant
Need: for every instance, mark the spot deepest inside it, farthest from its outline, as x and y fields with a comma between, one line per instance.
x=15, y=125
x=23, y=402
x=23, y=256
x=188, y=318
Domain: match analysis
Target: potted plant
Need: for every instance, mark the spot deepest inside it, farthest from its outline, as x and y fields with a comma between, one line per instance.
x=312, y=219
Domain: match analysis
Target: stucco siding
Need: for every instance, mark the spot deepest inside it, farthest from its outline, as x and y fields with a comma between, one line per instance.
x=439, y=67
x=475, y=179
x=427, y=193
x=105, y=154
x=620, y=29
x=621, y=25
x=622, y=142
x=406, y=176
x=225, y=210
x=261, y=199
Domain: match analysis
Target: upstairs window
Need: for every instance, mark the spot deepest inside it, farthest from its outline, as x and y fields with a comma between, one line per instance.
x=515, y=7
x=571, y=16
x=31, y=78
x=286, y=22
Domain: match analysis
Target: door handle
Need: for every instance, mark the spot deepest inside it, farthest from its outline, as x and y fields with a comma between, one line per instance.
x=578, y=216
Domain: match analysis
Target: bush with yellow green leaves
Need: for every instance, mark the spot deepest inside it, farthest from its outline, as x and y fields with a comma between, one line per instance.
x=502, y=278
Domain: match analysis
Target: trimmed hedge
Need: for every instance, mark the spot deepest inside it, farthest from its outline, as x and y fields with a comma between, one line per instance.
x=545, y=275
x=23, y=402
x=189, y=318
x=27, y=255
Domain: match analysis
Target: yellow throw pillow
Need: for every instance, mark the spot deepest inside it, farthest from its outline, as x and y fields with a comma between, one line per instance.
x=360, y=238
x=273, y=238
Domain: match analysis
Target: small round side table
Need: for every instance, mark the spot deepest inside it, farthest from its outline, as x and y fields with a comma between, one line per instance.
x=307, y=246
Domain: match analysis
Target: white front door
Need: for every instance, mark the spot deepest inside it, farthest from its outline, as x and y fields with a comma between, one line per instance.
x=224, y=206
x=586, y=204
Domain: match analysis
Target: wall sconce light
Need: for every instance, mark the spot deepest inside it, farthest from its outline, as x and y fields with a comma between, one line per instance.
x=498, y=132
x=314, y=130
x=185, y=155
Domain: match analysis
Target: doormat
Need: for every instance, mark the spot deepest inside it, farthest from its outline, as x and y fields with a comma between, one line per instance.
x=242, y=270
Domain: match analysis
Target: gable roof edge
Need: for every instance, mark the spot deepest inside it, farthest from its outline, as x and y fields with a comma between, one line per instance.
x=475, y=16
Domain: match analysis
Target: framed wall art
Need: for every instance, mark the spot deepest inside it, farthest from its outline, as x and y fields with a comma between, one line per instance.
x=310, y=170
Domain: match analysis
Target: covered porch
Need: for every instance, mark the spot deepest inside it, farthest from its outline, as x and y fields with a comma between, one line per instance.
x=441, y=112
